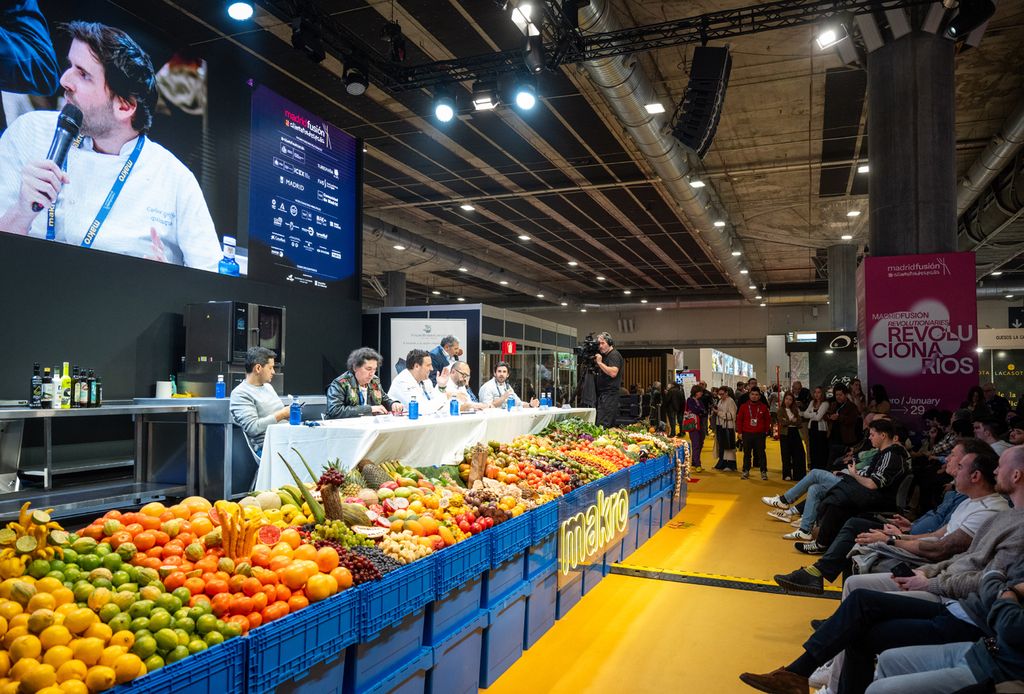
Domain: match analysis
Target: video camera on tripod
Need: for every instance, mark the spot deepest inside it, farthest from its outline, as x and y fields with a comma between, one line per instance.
x=586, y=354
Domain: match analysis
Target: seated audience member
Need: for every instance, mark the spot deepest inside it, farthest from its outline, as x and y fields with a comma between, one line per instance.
x=814, y=484
x=254, y=403
x=975, y=485
x=498, y=390
x=1016, y=433
x=870, y=623
x=412, y=383
x=962, y=666
x=991, y=431
x=999, y=406
x=357, y=392
x=461, y=391
x=861, y=491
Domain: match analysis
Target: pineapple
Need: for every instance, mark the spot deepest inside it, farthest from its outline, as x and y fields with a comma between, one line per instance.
x=354, y=483
x=373, y=474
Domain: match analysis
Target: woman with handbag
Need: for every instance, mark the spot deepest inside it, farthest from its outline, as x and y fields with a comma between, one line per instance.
x=817, y=435
x=693, y=419
x=725, y=430
x=791, y=443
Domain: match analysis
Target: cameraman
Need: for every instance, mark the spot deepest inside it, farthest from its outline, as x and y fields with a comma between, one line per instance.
x=608, y=382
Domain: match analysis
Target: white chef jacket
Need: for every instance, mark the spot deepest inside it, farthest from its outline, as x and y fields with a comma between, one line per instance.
x=491, y=390
x=405, y=387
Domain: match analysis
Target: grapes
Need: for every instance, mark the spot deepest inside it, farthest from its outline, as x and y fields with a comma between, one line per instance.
x=381, y=561
x=340, y=534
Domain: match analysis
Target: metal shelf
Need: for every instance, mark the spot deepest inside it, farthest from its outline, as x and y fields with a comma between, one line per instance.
x=85, y=465
x=104, y=411
x=88, y=497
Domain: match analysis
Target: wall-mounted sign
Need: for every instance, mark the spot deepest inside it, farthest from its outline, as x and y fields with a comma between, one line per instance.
x=508, y=347
x=1000, y=338
x=590, y=522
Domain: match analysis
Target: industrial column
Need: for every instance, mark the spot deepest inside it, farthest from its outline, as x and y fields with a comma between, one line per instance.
x=842, y=286
x=395, y=282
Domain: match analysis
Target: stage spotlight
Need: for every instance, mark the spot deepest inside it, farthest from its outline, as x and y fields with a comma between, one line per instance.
x=444, y=108
x=240, y=11
x=392, y=34
x=355, y=80
x=533, y=56
x=306, y=38
x=970, y=15
x=485, y=95
x=526, y=96
x=830, y=36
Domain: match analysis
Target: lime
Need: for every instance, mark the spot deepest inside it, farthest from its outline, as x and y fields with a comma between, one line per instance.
x=213, y=638
x=119, y=578
x=139, y=623
x=182, y=613
x=133, y=573
x=153, y=662
x=108, y=612
x=37, y=568
x=83, y=590
x=112, y=561
x=89, y=562
x=231, y=630
x=166, y=640
x=124, y=599
x=159, y=620
x=130, y=587
x=103, y=549
x=202, y=607
x=145, y=647
x=183, y=637
x=206, y=624
x=70, y=556
x=72, y=573
x=102, y=583
x=121, y=622
x=57, y=564
x=196, y=645
x=141, y=608
x=168, y=602
x=186, y=624
x=179, y=653
x=143, y=633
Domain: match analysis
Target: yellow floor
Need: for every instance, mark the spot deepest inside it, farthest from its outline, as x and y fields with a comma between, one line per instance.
x=635, y=634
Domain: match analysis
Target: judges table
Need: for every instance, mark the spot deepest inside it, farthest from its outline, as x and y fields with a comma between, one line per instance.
x=436, y=439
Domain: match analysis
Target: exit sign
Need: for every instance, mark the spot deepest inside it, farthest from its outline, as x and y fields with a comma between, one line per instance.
x=1016, y=317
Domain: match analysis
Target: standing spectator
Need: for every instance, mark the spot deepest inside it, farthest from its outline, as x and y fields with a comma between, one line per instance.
x=675, y=401
x=857, y=396
x=999, y=405
x=695, y=406
x=708, y=402
x=817, y=444
x=794, y=464
x=802, y=395
x=657, y=396
x=844, y=423
x=750, y=385
x=976, y=404
x=444, y=354
x=753, y=422
x=725, y=432
x=878, y=405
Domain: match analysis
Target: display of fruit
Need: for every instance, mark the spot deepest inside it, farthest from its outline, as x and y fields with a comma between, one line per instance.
x=406, y=547
x=238, y=532
x=339, y=532
x=373, y=473
x=33, y=536
x=382, y=562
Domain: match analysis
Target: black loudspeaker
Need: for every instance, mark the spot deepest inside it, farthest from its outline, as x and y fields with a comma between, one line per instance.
x=702, y=103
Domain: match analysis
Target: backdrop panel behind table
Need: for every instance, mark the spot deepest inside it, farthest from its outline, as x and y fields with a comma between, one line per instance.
x=430, y=440
x=421, y=333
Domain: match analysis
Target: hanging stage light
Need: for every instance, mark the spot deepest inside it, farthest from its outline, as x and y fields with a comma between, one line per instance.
x=971, y=14
x=306, y=38
x=526, y=95
x=240, y=11
x=355, y=80
x=533, y=56
x=392, y=34
x=485, y=95
x=444, y=107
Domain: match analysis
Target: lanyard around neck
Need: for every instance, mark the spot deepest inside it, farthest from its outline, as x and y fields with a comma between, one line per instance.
x=115, y=190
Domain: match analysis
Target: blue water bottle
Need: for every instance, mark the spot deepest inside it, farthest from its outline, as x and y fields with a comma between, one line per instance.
x=221, y=388
x=228, y=265
x=414, y=408
x=453, y=407
x=295, y=413
x=510, y=404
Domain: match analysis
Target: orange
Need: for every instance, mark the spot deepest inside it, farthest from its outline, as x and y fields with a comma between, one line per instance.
x=197, y=503
x=181, y=511
x=153, y=509
x=221, y=603
x=251, y=586
x=320, y=586
x=343, y=577
x=291, y=537
x=296, y=602
x=201, y=525
x=195, y=585
x=278, y=563
x=255, y=619
x=260, y=556
x=282, y=592
x=241, y=604
x=275, y=611
x=294, y=575
x=415, y=527
x=327, y=559
x=305, y=552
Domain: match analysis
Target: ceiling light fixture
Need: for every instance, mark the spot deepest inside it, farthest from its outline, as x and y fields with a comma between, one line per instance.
x=600, y=278
x=643, y=301
x=444, y=108
x=753, y=286
x=466, y=207
x=758, y=297
x=522, y=17
x=240, y=11
x=736, y=254
x=503, y=282
x=763, y=304
x=626, y=292
x=971, y=14
x=744, y=271
x=565, y=303
x=463, y=269
x=828, y=351
x=830, y=36
x=583, y=310
x=853, y=213
x=697, y=183
x=719, y=223
x=1009, y=296
x=540, y=296
x=485, y=95
x=398, y=247
x=863, y=169
x=436, y=293
x=573, y=263
x=997, y=273
x=979, y=350
x=533, y=54
x=460, y=299
x=355, y=81
x=525, y=96
x=847, y=237
x=657, y=308
x=524, y=237
x=654, y=108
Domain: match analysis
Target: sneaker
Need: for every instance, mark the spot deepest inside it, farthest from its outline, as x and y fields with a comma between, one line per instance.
x=764, y=476
x=798, y=535
x=785, y=514
x=816, y=624
x=775, y=501
x=820, y=677
x=781, y=681
x=745, y=475
x=697, y=468
x=728, y=469
x=800, y=581
x=795, y=522
x=787, y=478
x=811, y=547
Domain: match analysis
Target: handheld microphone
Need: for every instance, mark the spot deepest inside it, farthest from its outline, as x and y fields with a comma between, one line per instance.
x=68, y=123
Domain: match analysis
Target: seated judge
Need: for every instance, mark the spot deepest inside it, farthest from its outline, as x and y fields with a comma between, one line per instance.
x=460, y=390
x=357, y=392
x=498, y=390
x=445, y=354
x=412, y=383
x=254, y=404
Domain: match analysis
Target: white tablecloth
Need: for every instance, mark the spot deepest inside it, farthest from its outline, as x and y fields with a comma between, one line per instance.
x=429, y=440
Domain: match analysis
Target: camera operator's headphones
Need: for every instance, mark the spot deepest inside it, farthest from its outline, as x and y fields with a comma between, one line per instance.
x=607, y=338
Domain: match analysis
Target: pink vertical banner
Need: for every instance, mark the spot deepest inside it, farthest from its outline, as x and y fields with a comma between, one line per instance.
x=918, y=330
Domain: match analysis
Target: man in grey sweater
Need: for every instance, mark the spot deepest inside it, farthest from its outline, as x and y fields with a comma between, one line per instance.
x=254, y=404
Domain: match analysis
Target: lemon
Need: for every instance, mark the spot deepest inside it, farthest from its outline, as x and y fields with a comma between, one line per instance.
x=56, y=635
x=99, y=630
x=48, y=584
x=9, y=688
x=80, y=619
x=88, y=650
x=40, y=620
x=72, y=670
x=9, y=609
x=273, y=515
x=12, y=634
x=110, y=654
x=63, y=596
x=73, y=687
x=38, y=678
x=53, y=689
x=127, y=667
x=123, y=638
x=58, y=655
x=100, y=678
x=26, y=646
x=22, y=667
x=3, y=627
x=5, y=663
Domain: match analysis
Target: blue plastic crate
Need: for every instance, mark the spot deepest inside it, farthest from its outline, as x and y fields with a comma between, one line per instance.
x=618, y=476
x=286, y=649
x=377, y=660
x=637, y=475
x=540, y=607
x=569, y=595
x=542, y=556
x=455, y=565
x=509, y=538
x=504, y=578
x=323, y=678
x=409, y=677
x=592, y=573
x=657, y=505
x=214, y=671
x=642, y=530
x=503, y=639
x=398, y=594
x=544, y=520
x=451, y=612
x=457, y=659
x=613, y=555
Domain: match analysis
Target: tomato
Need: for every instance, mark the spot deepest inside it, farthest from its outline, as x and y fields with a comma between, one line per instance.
x=241, y=621
x=283, y=593
x=134, y=528
x=260, y=601
x=464, y=526
x=275, y=611
x=221, y=603
x=145, y=541
x=240, y=604
x=216, y=587
x=235, y=584
x=255, y=619
x=175, y=579
x=251, y=586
